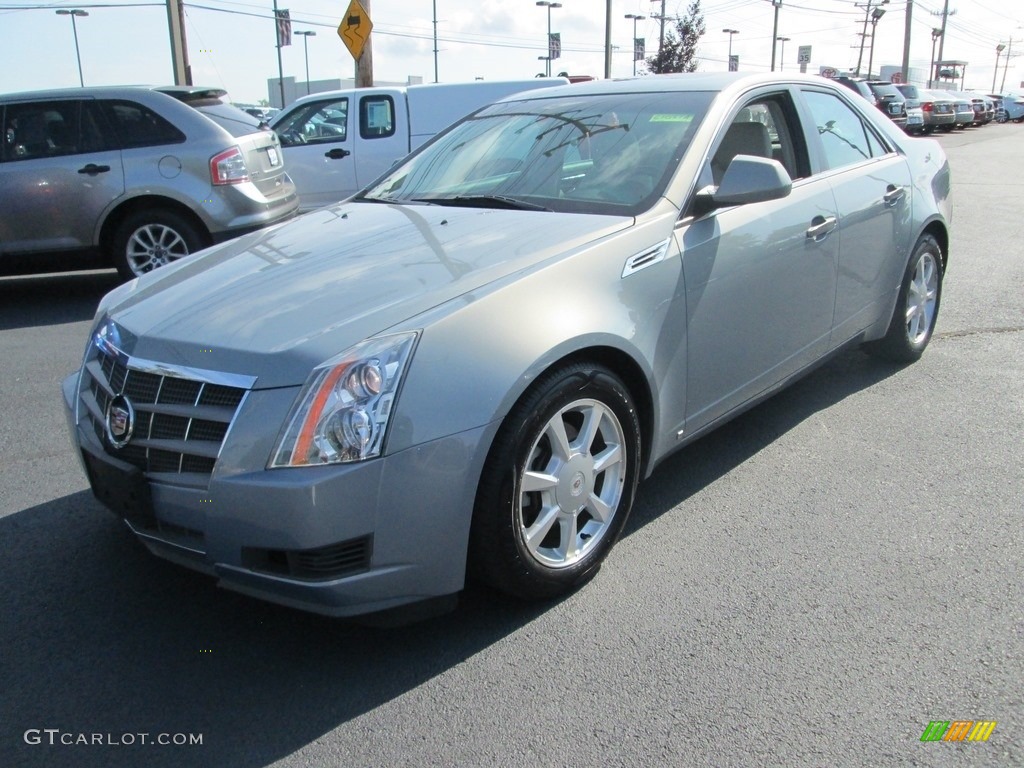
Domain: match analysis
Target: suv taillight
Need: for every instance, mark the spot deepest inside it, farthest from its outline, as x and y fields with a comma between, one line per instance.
x=228, y=167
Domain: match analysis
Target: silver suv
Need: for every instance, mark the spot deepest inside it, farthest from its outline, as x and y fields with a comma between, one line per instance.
x=132, y=177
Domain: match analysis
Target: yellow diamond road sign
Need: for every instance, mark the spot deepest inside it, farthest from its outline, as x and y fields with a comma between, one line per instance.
x=355, y=28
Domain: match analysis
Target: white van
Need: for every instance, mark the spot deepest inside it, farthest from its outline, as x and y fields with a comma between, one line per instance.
x=336, y=143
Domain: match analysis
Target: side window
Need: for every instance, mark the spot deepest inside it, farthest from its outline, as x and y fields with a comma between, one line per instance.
x=845, y=137
x=41, y=129
x=139, y=126
x=376, y=117
x=763, y=127
x=318, y=123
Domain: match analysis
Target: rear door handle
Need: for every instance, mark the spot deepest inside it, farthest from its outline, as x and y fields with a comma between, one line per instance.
x=893, y=195
x=92, y=169
x=337, y=153
x=821, y=227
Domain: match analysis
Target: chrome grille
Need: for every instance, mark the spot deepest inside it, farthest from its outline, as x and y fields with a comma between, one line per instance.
x=180, y=422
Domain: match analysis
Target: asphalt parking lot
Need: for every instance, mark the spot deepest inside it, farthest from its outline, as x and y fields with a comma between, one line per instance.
x=811, y=585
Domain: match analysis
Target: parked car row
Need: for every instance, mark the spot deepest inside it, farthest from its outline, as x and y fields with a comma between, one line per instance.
x=920, y=110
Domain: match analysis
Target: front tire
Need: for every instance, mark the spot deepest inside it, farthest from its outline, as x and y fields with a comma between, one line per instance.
x=917, y=307
x=153, y=237
x=558, y=484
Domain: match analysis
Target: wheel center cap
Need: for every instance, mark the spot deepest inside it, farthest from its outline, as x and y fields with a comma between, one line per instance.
x=577, y=484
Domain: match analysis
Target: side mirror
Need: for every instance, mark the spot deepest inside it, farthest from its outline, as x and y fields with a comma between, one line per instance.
x=748, y=179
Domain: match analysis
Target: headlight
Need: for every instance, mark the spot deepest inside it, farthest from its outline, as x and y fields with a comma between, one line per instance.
x=343, y=410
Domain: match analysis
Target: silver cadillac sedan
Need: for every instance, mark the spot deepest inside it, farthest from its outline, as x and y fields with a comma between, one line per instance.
x=467, y=368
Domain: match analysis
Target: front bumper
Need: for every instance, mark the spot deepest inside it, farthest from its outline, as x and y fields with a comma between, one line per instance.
x=340, y=540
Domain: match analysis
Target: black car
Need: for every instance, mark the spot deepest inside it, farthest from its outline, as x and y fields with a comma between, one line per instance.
x=882, y=94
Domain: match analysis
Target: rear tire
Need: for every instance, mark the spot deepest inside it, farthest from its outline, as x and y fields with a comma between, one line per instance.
x=558, y=484
x=153, y=237
x=917, y=307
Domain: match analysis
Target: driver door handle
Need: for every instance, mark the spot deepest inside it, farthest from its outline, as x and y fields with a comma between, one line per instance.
x=820, y=228
x=893, y=195
x=337, y=153
x=92, y=169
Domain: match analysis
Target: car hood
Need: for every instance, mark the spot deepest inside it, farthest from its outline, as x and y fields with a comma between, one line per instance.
x=277, y=303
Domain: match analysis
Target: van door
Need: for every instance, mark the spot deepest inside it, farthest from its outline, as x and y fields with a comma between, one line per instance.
x=316, y=139
x=383, y=134
x=59, y=171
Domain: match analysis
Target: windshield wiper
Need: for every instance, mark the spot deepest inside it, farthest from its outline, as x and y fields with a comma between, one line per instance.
x=485, y=201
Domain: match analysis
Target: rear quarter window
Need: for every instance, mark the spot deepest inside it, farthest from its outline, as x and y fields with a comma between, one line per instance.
x=138, y=126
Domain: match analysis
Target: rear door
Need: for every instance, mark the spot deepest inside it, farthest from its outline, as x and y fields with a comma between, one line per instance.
x=59, y=171
x=316, y=139
x=872, y=187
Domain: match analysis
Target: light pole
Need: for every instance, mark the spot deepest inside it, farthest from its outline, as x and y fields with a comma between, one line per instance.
x=549, y=6
x=867, y=17
x=305, y=45
x=72, y=12
x=782, y=52
x=999, y=50
x=936, y=34
x=635, y=19
x=875, y=16
x=730, y=33
x=776, y=4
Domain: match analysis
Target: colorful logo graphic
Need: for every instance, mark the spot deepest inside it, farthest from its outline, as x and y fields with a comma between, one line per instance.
x=958, y=730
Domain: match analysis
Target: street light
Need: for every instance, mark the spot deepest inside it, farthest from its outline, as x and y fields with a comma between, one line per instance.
x=867, y=17
x=305, y=44
x=635, y=19
x=72, y=12
x=782, y=53
x=549, y=6
x=730, y=33
x=936, y=34
x=999, y=50
x=875, y=16
x=776, y=4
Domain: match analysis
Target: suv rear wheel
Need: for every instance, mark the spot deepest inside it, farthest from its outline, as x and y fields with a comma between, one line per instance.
x=153, y=237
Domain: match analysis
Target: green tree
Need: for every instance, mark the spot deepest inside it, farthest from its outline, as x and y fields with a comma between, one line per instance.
x=679, y=53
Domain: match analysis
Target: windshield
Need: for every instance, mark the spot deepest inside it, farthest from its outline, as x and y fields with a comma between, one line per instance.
x=588, y=154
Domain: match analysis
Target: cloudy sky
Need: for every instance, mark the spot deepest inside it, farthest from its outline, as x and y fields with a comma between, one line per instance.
x=232, y=44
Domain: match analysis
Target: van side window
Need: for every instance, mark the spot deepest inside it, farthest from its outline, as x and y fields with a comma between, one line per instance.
x=376, y=117
x=139, y=126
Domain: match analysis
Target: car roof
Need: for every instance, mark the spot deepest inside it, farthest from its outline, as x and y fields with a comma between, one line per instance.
x=688, y=81
x=95, y=91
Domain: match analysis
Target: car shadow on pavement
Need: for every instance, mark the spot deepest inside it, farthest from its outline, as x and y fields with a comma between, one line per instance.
x=27, y=302
x=100, y=637
x=711, y=457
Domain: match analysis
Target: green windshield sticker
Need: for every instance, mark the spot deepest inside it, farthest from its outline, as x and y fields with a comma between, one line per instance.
x=671, y=118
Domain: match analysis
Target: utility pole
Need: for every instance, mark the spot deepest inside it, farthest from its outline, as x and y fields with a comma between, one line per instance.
x=364, y=67
x=864, y=33
x=608, y=40
x=942, y=37
x=905, y=66
x=1009, y=50
x=435, y=41
x=661, y=34
x=179, y=46
x=280, y=66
